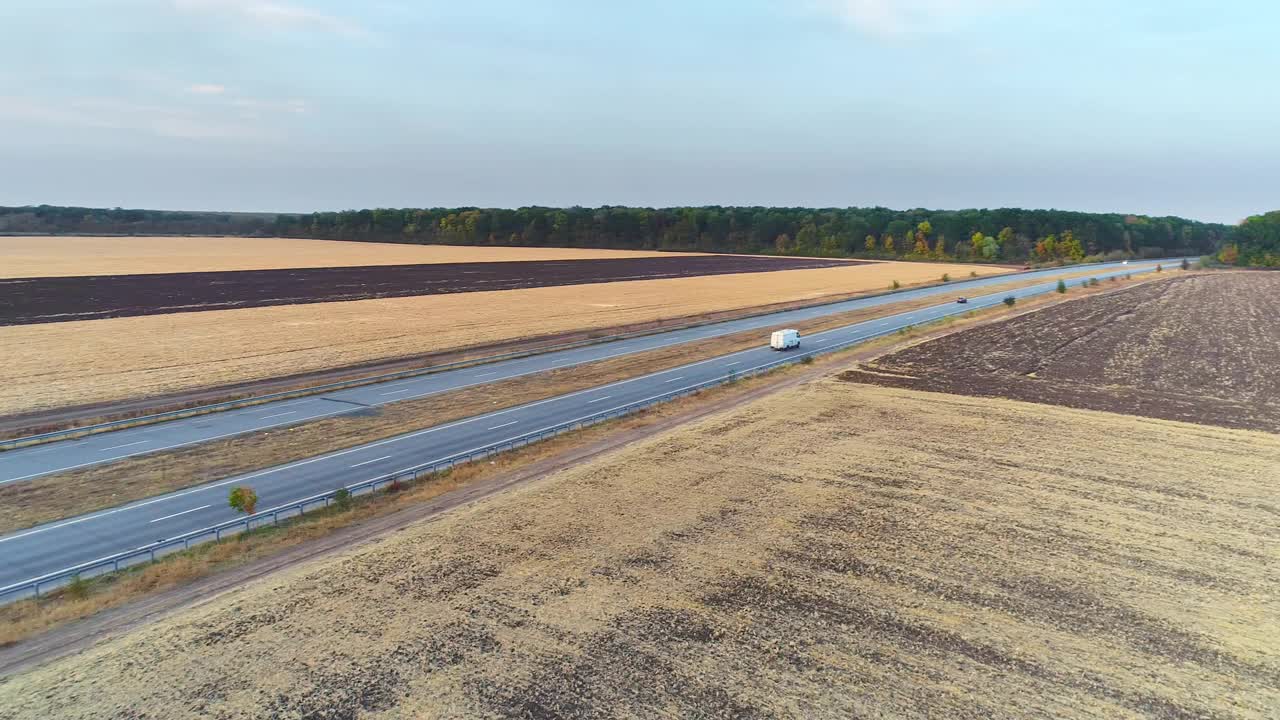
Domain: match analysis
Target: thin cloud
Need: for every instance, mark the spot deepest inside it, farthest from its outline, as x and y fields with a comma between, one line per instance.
x=111, y=114
x=275, y=16
x=206, y=89
x=893, y=18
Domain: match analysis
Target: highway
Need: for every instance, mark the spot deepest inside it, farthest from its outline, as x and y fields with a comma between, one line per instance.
x=37, y=460
x=55, y=546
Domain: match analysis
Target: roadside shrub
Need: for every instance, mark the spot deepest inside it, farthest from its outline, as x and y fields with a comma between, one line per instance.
x=806, y=360
x=243, y=499
x=1010, y=301
x=1159, y=268
x=1114, y=278
x=973, y=273
x=1062, y=286
x=78, y=588
x=946, y=277
x=342, y=498
x=1093, y=282
x=1186, y=265
x=394, y=486
x=896, y=284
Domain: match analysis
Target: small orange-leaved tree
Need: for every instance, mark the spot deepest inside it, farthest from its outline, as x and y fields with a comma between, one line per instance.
x=243, y=499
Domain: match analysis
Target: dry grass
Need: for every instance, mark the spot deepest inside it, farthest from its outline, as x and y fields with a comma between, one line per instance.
x=60, y=364
x=67, y=494
x=69, y=256
x=836, y=550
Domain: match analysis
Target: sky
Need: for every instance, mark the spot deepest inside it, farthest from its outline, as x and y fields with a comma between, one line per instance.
x=1165, y=107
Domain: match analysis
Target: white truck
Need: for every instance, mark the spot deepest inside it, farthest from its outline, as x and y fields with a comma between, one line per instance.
x=784, y=339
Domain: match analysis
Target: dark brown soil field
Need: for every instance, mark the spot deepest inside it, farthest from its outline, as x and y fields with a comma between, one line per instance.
x=61, y=299
x=1201, y=348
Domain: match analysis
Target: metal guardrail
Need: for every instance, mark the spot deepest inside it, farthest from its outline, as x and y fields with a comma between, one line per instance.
x=70, y=433
x=266, y=518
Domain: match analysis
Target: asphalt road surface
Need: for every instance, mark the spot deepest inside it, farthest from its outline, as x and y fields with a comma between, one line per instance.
x=34, y=461
x=56, y=546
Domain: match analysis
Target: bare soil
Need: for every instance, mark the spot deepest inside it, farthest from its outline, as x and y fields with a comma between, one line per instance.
x=66, y=299
x=1201, y=348
x=835, y=550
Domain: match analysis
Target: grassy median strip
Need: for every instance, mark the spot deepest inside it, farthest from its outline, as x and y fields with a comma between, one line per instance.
x=61, y=495
x=27, y=618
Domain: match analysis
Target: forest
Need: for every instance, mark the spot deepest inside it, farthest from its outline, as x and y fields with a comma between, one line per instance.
x=997, y=235
x=1255, y=243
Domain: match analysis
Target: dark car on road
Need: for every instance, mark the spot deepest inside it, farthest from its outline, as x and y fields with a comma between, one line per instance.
x=963, y=300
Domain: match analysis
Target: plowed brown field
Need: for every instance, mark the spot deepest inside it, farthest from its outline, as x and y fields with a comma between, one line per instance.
x=838, y=550
x=1203, y=349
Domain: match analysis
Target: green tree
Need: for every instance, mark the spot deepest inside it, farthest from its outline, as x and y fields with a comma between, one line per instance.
x=1062, y=286
x=869, y=244
x=807, y=240
x=243, y=499
x=342, y=498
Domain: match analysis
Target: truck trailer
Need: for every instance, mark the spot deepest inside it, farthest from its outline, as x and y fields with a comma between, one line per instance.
x=784, y=339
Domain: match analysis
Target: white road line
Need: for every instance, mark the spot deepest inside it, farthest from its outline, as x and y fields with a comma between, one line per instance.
x=117, y=447
x=673, y=379
x=397, y=392
x=606, y=397
x=733, y=363
x=495, y=372
x=816, y=342
x=369, y=462
x=513, y=422
x=184, y=512
x=268, y=417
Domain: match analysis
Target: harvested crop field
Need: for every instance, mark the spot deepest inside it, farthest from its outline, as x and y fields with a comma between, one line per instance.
x=44, y=256
x=1201, y=348
x=834, y=550
x=43, y=300
x=60, y=364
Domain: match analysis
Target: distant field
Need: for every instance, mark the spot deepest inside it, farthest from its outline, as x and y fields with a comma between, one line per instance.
x=54, y=365
x=837, y=550
x=1203, y=348
x=67, y=256
x=66, y=299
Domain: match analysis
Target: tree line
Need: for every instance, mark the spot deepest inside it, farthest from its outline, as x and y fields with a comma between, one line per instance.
x=1255, y=242
x=998, y=235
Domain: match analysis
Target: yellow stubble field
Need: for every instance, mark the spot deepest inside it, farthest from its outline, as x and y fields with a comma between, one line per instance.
x=836, y=550
x=61, y=364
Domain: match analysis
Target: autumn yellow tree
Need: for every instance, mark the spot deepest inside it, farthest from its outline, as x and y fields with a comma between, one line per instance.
x=870, y=243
